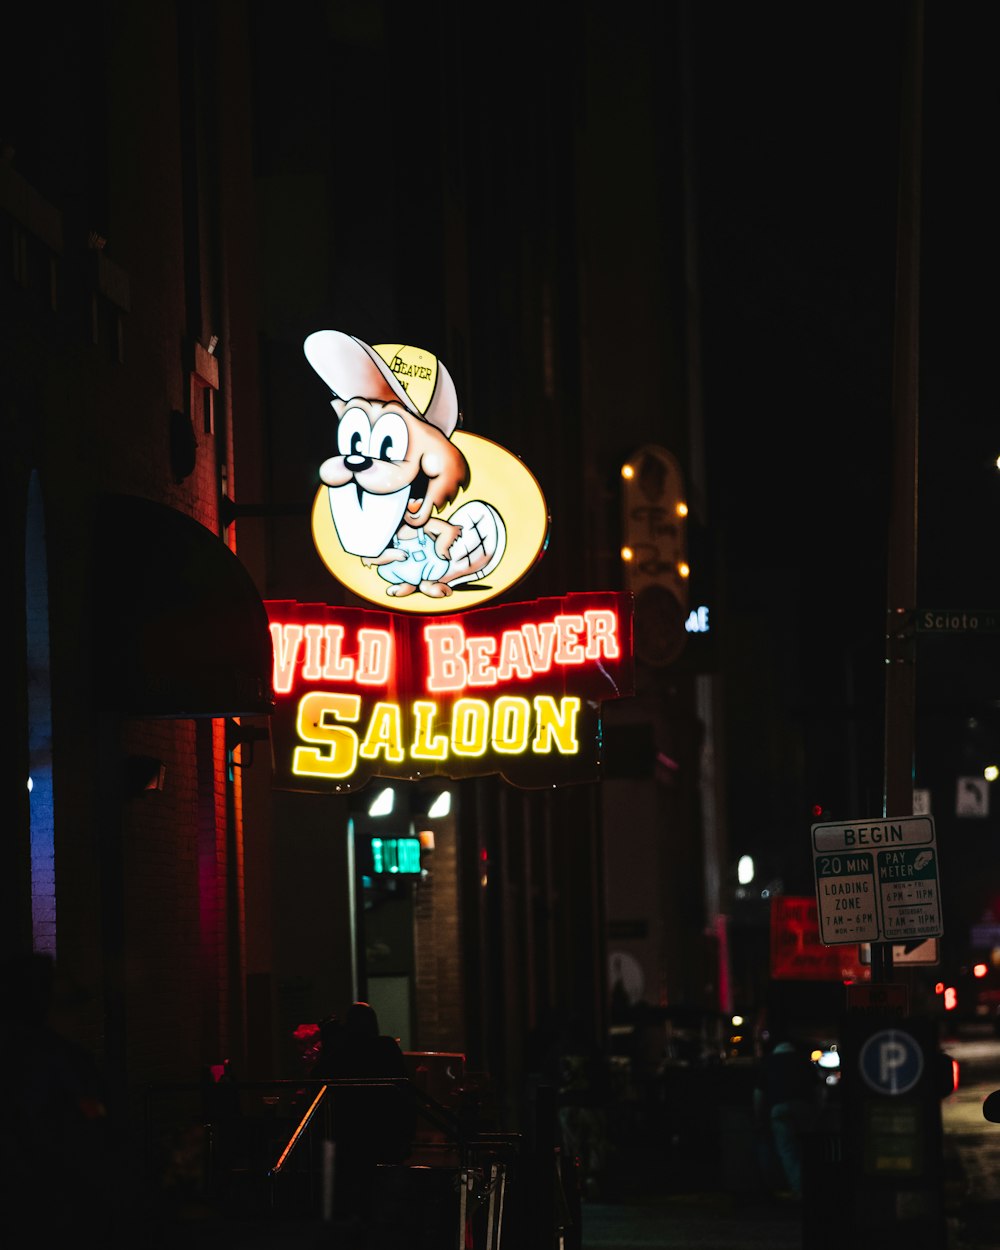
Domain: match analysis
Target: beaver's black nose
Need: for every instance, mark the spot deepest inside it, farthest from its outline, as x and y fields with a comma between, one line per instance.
x=358, y=464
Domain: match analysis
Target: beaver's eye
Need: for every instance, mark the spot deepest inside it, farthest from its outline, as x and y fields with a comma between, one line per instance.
x=390, y=438
x=354, y=433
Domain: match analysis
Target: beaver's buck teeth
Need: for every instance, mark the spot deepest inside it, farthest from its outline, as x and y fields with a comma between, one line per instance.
x=365, y=523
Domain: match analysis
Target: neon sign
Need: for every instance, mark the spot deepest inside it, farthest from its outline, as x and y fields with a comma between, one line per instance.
x=422, y=519
x=395, y=855
x=379, y=519
x=514, y=690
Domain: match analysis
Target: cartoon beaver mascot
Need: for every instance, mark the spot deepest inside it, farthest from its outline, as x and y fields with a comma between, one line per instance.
x=396, y=468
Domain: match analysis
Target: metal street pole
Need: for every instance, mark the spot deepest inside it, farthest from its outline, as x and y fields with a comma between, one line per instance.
x=900, y=654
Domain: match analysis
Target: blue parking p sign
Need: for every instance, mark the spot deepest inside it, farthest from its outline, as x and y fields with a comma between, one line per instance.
x=891, y=1061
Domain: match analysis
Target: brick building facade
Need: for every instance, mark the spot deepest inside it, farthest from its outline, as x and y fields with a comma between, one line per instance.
x=178, y=208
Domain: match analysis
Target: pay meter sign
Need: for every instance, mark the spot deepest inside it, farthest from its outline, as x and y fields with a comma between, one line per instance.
x=877, y=880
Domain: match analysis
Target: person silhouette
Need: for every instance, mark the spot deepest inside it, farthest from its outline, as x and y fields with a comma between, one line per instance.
x=373, y=1122
x=357, y=1048
x=786, y=1103
x=581, y=1076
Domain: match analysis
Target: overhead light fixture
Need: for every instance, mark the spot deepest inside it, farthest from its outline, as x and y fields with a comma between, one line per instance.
x=441, y=805
x=382, y=803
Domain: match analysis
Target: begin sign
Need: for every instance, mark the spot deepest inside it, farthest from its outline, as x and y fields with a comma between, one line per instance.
x=877, y=880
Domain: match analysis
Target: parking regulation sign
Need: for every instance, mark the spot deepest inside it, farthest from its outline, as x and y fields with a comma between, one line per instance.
x=877, y=880
x=845, y=892
x=891, y=1062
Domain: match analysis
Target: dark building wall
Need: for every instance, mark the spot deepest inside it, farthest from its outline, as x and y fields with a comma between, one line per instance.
x=393, y=175
x=116, y=276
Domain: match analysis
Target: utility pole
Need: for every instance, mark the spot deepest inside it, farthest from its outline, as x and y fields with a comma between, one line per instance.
x=900, y=653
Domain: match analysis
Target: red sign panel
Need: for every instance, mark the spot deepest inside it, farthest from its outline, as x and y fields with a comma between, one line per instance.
x=515, y=690
x=797, y=952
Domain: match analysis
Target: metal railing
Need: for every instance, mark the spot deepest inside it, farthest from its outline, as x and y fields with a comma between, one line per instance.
x=267, y=1149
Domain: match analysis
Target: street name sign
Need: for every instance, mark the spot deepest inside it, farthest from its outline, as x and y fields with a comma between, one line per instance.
x=877, y=880
x=958, y=621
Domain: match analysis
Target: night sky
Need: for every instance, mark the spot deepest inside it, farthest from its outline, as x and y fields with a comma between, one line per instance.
x=798, y=136
x=798, y=111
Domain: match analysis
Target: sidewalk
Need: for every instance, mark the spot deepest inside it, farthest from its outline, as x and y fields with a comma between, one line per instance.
x=714, y=1201
x=722, y=1222
x=748, y=1219
x=711, y=1221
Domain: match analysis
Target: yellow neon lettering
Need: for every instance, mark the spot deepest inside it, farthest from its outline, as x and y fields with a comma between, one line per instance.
x=511, y=722
x=333, y=749
x=555, y=724
x=424, y=745
x=336, y=752
x=470, y=724
x=385, y=733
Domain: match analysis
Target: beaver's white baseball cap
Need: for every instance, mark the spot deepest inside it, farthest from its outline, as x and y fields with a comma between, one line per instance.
x=389, y=371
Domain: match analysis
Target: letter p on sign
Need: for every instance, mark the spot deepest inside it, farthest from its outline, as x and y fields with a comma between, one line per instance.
x=891, y=1061
x=892, y=1057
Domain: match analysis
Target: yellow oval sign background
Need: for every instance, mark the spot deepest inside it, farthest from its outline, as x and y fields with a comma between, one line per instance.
x=497, y=477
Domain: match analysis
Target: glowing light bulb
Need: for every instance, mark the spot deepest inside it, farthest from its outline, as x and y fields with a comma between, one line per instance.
x=441, y=805
x=382, y=803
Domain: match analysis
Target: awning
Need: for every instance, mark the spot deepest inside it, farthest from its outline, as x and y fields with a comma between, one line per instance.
x=180, y=628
